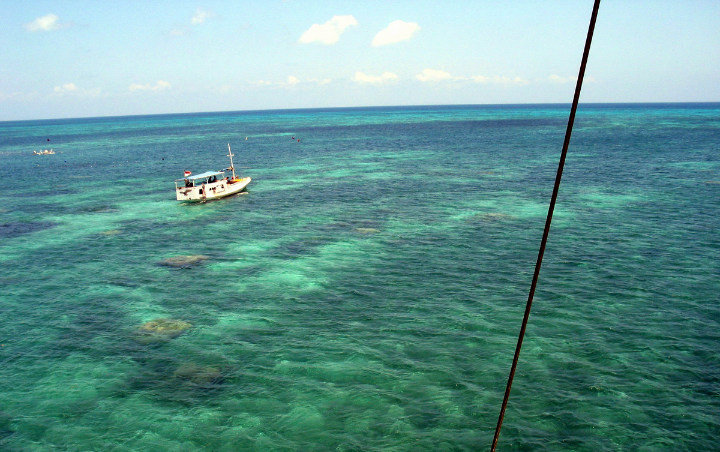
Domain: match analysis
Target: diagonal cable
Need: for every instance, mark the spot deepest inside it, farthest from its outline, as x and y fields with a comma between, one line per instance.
x=546, y=232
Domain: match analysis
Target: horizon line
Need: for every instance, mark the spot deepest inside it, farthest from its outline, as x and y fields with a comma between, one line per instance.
x=262, y=110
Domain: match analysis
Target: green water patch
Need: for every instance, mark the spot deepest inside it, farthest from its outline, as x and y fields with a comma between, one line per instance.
x=88, y=220
x=299, y=183
x=695, y=165
x=509, y=209
x=58, y=190
x=60, y=400
x=246, y=321
x=282, y=270
x=247, y=254
x=605, y=200
x=292, y=277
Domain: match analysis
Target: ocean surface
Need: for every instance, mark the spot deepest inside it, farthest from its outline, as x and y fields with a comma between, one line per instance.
x=366, y=292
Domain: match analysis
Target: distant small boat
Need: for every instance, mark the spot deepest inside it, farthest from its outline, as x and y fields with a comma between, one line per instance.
x=210, y=184
x=44, y=152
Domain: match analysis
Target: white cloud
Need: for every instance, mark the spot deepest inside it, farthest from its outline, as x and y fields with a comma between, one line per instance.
x=290, y=81
x=361, y=77
x=9, y=96
x=499, y=80
x=329, y=32
x=397, y=31
x=159, y=86
x=504, y=80
x=66, y=88
x=22, y=97
x=44, y=23
x=561, y=80
x=71, y=89
x=557, y=79
x=434, y=75
x=201, y=16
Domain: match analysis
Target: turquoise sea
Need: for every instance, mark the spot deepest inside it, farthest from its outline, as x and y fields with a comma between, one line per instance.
x=366, y=293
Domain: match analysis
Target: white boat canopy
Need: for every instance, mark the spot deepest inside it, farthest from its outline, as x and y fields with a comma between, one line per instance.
x=203, y=175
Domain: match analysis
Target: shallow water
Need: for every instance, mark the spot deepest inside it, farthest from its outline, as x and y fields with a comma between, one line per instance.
x=366, y=292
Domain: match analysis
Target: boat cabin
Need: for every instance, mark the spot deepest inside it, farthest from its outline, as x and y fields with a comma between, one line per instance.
x=207, y=185
x=199, y=179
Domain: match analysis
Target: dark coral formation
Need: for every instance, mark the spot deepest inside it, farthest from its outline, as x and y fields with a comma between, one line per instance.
x=205, y=376
x=15, y=229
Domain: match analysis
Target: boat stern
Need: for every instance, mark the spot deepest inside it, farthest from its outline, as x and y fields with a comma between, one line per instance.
x=187, y=194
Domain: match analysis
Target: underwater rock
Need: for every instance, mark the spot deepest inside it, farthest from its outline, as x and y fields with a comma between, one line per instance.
x=199, y=375
x=186, y=261
x=160, y=330
x=166, y=326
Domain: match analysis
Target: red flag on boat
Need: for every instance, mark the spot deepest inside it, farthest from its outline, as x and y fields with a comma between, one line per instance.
x=187, y=173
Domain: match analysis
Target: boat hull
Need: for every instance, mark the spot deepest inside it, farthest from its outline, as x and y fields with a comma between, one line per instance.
x=213, y=190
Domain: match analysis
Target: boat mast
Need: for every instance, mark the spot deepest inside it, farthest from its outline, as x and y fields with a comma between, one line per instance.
x=232, y=167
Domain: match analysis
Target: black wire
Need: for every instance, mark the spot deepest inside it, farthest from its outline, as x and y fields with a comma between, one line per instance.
x=546, y=232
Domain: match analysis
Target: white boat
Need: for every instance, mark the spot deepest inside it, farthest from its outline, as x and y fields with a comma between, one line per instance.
x=45, y=152
x=210, y=184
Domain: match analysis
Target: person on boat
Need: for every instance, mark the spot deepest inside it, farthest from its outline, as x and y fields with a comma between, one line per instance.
x=187, y=183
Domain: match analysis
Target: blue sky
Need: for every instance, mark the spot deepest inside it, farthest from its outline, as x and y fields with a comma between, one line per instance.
x=79, y=58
